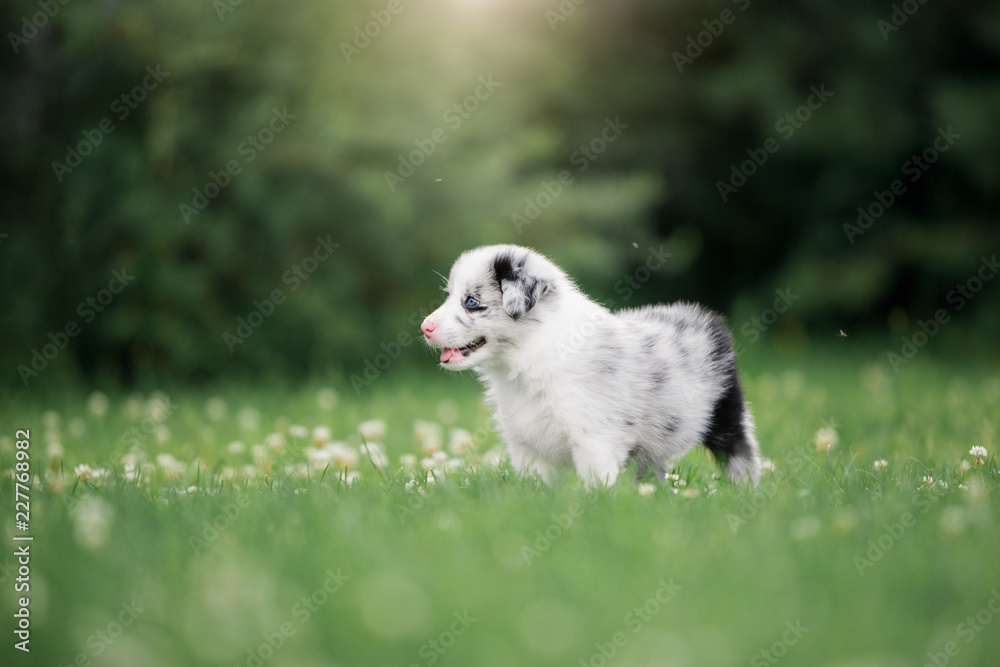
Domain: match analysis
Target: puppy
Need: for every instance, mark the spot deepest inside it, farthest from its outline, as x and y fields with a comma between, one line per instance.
x=573, y=383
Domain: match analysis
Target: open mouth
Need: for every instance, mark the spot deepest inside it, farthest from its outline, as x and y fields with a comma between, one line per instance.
x=449, y=354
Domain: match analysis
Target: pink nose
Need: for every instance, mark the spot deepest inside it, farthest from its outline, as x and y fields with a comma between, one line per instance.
x=428, y=327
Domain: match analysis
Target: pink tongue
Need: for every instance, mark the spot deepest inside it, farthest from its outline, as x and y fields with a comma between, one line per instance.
x=449, y=353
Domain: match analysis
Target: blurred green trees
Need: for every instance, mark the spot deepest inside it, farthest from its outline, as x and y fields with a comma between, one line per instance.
x=413, y=130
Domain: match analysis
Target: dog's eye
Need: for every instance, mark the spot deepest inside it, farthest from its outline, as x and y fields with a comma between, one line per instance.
x=471, y=302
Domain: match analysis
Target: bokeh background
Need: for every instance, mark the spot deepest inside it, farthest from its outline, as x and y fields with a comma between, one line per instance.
x=353, y=104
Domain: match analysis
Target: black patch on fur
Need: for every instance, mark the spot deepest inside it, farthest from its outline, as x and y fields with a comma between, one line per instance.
x=518, y=290
x=726, y=436
x=503, y=268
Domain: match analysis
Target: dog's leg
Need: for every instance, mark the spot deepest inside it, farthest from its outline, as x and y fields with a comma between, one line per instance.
x=743, y=464
x=597, y=462
x=731, y=437
x=525, y=460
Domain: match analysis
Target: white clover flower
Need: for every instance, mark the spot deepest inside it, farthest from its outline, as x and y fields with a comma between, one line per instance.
x=690, y=492
x=460, y=442
x=170, y=466
x=133, y=407
x=454, y=464
x=493, y=458
x=373, y=451
x=215, y=408
x=646, y=489
x=881, y=464
x=352, y=477
x=326, y=399
x=342, y=456
x=964, y=466
x=928, y=479
x=428, y=463
x=767, y=465
x=158, y=406
x=248, y=419
x=322, y=435
x=409, y=485
x=978, y=453
x=97, y=403
x=54, y=452
x=427, y=435
x=298, y=431
x=318, y=458
x=408, y=461
x=236, y=447
x=275, y=441
x=259, y=454
x=297, y=470
x=826, y=439
x=92, y=521
x=83, y=471
x=373, y=430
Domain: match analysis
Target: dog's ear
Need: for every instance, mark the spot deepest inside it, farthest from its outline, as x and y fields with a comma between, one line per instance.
x=520, y=290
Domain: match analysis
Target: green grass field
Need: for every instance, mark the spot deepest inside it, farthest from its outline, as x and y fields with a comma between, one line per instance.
x=174, y=547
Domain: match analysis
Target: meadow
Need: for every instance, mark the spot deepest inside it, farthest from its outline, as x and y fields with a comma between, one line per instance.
x=314, y=525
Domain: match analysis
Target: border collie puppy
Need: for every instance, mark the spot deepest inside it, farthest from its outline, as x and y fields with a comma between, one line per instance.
x=573, y=383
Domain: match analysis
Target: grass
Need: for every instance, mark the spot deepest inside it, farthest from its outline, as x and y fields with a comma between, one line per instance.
x=215, y=556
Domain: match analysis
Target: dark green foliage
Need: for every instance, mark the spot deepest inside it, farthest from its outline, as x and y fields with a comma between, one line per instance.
x=324, y=174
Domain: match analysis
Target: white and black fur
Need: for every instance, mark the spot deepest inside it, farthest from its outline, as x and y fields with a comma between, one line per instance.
x=574, y=383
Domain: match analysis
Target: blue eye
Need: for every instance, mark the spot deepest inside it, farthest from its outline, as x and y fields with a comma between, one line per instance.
x=471, y=302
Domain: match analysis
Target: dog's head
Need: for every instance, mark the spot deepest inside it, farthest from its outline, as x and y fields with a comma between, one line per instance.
x=493, y=292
